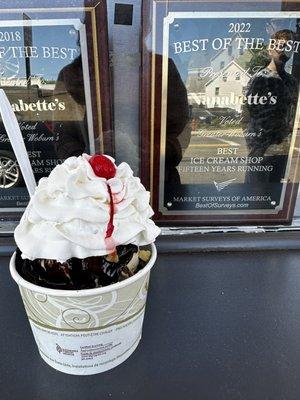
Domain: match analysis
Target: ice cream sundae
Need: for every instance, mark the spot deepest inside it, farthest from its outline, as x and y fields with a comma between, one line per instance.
x=85, y=226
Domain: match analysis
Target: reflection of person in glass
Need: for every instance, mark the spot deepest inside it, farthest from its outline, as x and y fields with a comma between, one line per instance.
x=271, y=102
x=71, y=130
x=178, y=132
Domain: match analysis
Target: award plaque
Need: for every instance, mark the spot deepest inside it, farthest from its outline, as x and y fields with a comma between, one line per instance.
x=54, y=70
x=221, y=110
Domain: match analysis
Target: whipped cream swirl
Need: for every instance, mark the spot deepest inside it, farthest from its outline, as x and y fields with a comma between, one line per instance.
x=69, y=213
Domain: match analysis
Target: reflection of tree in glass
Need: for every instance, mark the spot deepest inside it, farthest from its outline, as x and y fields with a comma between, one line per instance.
x=259, y=60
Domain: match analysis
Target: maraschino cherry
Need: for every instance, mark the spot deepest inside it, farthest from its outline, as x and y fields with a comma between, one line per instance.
x=102, y=166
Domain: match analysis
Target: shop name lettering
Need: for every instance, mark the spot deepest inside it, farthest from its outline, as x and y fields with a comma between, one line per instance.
x=39, y=105
x=251, y=99
x=188, y=46
x=52, y=52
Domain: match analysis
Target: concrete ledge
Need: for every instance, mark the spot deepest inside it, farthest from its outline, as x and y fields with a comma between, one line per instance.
x=233, y=241
x=205, y=242
x=7, y=245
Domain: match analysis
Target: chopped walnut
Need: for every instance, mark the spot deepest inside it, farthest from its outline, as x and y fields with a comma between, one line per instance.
x=112, y=258
x=125, y=273
x=145, y=255
x=133, y=263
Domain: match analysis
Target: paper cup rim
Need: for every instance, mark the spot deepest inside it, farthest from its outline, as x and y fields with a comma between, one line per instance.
x=83, y=292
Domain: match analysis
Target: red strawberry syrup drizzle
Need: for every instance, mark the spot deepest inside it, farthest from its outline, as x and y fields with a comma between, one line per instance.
x=105, y=168
x=110, y=225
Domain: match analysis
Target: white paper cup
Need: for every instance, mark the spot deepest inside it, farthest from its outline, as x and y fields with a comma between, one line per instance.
x=85, y=332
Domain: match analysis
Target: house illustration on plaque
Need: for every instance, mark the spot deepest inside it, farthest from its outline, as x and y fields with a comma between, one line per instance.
x=221, y=84
x=226, y=89
x=224, y=57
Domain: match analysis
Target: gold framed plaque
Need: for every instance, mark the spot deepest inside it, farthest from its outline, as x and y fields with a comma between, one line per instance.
x=220, y=91
x=54, y=70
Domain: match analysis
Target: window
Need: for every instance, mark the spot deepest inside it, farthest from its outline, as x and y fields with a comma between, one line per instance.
x=213, y=72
